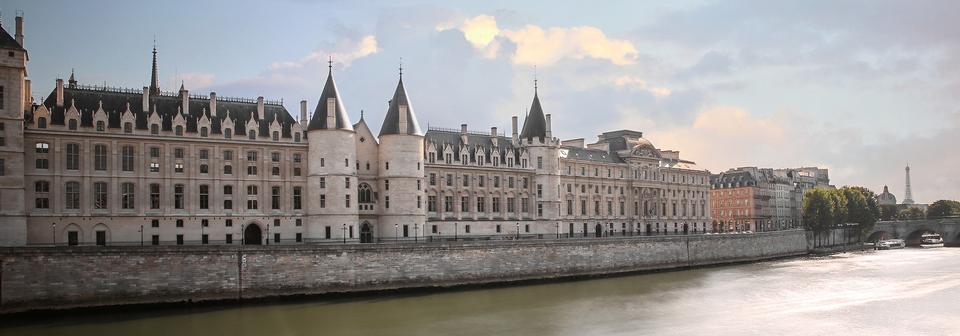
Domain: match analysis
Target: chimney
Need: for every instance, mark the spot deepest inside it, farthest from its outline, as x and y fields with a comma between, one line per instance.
x=19, y=32
x=184, y=100
x=331, y=113
x=549, y=136
x=146, y=99
x=59, y=91
x=213, y=104
x=516, y=138
x=493, y=132
x=260, y=107
x=27, y=100
x=303, y=112
x=493, y=137
x=463, y=129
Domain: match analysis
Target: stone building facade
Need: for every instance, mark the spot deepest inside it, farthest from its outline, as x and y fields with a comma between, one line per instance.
x=762, y=199
x=112, y=166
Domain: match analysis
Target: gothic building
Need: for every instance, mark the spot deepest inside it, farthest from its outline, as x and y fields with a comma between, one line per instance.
x=103, y=165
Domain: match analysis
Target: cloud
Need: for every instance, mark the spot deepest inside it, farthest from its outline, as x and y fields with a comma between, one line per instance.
x=640, y=84
x=534, y=45
x=197, y=80
x=344, y=52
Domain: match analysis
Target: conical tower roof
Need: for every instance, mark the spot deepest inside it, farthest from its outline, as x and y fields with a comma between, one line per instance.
x=391, y=122
x=535, y=124
x=319, y=119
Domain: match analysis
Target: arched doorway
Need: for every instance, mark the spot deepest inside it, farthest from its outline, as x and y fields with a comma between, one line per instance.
x=366, y=234
x=686, y=228
x=252, y=235
x=648, y=229
x=598, y=230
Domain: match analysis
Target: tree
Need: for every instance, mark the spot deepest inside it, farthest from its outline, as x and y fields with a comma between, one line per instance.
x=943, y=208
x=861, y=207
x=819, y=210
x=889, y=212
x=911, y=213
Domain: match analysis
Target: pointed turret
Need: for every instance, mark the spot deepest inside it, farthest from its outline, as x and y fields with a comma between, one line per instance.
x=72, y=82
x=330, y=112
x=154, y=79
x=535, y=124
x=400, y=118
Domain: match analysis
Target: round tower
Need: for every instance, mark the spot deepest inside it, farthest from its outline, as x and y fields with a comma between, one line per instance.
x=401, y=171
x=544, y=153
x=332, y=211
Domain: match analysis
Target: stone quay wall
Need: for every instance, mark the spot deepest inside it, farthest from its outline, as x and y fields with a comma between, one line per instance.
x=37, y=278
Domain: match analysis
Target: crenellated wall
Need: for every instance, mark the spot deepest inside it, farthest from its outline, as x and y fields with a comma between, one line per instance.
x=44, y=278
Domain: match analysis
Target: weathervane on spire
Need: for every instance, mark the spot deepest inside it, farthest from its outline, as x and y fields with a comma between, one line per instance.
x=330, y=63
x=534, y=79
x=401, y=67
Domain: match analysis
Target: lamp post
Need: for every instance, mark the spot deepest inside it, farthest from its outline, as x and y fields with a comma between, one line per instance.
x=518, y=230
x=141, y=234
x=243, y=234
x=396, y=228
x=344, y=233
x=558, y=230
x=455, y=228
x=53, y=229
x=416, y=232
x=201, y=234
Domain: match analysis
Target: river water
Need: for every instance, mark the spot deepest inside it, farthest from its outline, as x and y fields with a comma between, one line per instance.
x=900, y=292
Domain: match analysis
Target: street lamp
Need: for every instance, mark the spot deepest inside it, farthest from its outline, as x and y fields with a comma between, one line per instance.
x=518, y=230
x=344, y=234
x=558, y=229
x=141, y=234
x=455, y=231
x=201, y=234
x=396, y=228
x=416, y=232
x=54, y=231
x=243, y=234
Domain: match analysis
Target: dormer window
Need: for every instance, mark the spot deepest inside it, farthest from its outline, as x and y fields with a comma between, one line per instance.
x=296, y=137
x=228, y=133
x=276, y=136
x=154, y=129
x=178, y=130
x=252, y=135
x=128, y=128
x=41, y=122
x=203, y=132
x=101, y=126
x=72, y=124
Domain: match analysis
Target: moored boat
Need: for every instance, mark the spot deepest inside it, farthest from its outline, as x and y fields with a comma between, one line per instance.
x=931, y=240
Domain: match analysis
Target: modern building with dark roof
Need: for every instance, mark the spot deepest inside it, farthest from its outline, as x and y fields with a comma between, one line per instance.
x=100, y=165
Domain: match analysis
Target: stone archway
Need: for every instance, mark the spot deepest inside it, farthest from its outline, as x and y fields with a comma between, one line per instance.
x=252, y=235
x=598, y=230
x=366, y=233
x=878, y=236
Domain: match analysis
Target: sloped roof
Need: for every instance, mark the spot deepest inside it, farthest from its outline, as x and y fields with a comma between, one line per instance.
x=441, y=138
x=391, y=122
x=535, y=124
x=319, y=119
x=590, y=154
x=7, y=41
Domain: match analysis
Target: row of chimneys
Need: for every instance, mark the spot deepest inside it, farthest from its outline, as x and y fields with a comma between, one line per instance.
x=515, y=135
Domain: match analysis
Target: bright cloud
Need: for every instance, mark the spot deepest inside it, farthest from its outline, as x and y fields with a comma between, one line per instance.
x=640, y=84
x=195, y=81
x=538, y=46
x=343, y=52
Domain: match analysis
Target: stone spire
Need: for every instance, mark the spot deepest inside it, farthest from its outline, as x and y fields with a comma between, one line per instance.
x=400, y=118
x=908, y=195
x=72, y=82
x=535, y=123
x=330, y=112
x=154, y=79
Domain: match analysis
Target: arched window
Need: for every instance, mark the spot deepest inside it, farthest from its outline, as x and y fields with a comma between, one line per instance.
x=365, y=193
x=100, y=195
x=72, y=124
x=100, y=157
x=178, y=130
x=127, y=196
x=41, y=122
x=73, y=156
x=252, y=134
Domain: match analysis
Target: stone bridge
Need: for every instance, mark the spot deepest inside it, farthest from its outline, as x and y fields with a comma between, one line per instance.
x=910, y=230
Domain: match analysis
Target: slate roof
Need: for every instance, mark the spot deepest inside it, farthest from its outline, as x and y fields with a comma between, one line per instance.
x=391, y=122
x=441, y=138
x=319, y=119
x=737, y=178
x=87, y=100
x=7, y=41
x=535, y=124
x=590, y=154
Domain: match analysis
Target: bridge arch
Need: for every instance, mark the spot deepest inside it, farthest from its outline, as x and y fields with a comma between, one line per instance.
x=880, y=235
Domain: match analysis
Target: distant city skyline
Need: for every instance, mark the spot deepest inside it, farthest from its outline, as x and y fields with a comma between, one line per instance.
x=857, y=87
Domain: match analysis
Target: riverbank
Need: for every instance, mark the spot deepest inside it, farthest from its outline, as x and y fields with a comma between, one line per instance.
x=45, y=279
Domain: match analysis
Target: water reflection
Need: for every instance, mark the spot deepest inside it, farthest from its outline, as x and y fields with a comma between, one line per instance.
x=891, y=292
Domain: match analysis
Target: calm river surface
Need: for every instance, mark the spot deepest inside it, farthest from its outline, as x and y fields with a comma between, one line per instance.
x=904, y=292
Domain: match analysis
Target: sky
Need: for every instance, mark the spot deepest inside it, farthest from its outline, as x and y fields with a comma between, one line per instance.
x=860, y=87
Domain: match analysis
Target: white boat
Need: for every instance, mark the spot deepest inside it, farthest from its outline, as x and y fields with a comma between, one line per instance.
x=931, y=240
x=891, y=244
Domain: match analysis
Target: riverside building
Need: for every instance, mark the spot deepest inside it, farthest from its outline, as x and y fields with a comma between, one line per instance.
x=97, y=165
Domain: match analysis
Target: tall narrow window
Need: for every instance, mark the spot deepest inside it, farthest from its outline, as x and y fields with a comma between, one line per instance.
x=126, y=158
x=100, y=195
x=154, y=196
x=100, y=157
x=252, y=202
x=42, y=194
x=204, y=196
x=275, y=198
x=72, y=196
x=297, y=195
x=42, y=149
x=73, y=156
x=178, y=196
x=127, y=198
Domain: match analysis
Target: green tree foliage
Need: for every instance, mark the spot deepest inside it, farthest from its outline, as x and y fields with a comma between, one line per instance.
x=943, y=208
x=818, y=209
x=861, y=207
x=889, y=212
x=910, y=213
